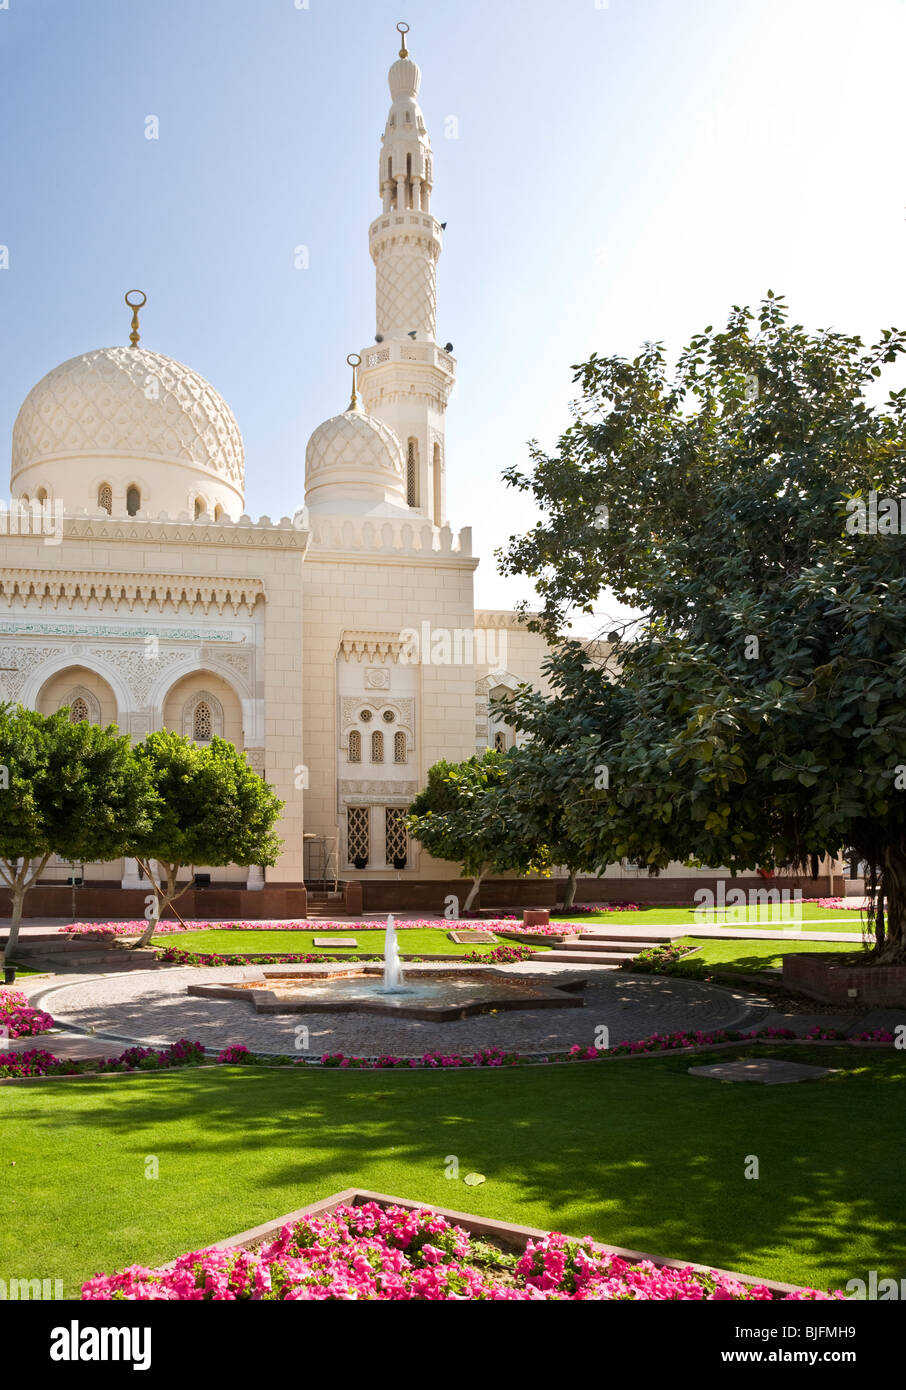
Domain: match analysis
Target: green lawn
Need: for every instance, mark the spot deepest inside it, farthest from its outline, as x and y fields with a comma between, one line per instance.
x=635, y=1152
x=414, y=942
x=813, y=918
x=757, y=955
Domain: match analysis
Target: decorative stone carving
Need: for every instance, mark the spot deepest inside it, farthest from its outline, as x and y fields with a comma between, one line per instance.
x=377, y=678
x=51, y=588
x=138, y=667
x=352, y=705
x=17, y=663
x=202, y=724
x=377, y=790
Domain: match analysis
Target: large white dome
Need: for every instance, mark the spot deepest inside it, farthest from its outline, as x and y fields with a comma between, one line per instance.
x=354, y=463
x=125, y=417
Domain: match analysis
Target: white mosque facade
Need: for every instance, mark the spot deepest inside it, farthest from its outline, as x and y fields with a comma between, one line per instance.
x=339, y=647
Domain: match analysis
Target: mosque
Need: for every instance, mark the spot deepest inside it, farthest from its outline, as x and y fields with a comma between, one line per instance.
x=137, y=591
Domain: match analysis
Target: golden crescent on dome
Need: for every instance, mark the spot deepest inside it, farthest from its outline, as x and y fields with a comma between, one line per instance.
x=135, y=306
x=403, y=29
x=354, y=361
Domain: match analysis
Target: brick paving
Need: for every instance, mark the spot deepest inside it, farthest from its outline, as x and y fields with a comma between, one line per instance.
x=154, y=1008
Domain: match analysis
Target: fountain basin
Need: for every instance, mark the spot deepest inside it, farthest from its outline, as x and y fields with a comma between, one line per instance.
x=442, y=995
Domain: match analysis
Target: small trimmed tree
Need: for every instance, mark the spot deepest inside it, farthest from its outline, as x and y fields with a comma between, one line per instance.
x=463, y=815
x=210, y=807
x=69, y=789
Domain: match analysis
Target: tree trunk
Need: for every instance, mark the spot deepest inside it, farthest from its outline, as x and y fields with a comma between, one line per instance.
x=163, y=899
x=890, y=948
x=9, y=949
x=473, y=891
x=569, y=897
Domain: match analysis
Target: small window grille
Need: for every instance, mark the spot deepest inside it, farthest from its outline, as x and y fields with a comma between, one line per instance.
x=355, y=746
x=377, y=746
x=357, y=833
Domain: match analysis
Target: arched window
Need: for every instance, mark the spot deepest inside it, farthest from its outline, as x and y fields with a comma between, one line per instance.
x=25, y=498
x=438, y=488
x=377, y=746
x=355, y=746
x=133, y=500
x=202, y=723
x=500, y=741
x=412, y=473
x=218, y=512
x=105, y=498
x=42, y=494
x=399, y=747
x=78, y=711
x=199, y=507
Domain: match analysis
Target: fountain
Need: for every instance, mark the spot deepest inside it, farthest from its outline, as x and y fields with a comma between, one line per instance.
x=442, y=992
x=393, y=970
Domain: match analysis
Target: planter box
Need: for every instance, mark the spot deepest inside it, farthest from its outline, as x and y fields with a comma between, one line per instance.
x=503, y=1233
x=821, y=977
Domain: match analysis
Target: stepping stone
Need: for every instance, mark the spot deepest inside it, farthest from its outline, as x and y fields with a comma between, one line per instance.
x=335, y=941
x=472, y=937
x=764, y=1069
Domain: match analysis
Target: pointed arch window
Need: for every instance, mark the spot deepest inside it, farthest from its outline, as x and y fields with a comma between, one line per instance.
x=105, y=498
x=355, y=746
x=377, y=746
x=202, y=722
x=400, y=752
x=78, y=711
x=133, y=500
x=199, y=507
x=412, y=473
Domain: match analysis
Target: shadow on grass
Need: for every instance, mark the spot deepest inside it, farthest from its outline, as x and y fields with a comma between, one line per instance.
x=636, y=1153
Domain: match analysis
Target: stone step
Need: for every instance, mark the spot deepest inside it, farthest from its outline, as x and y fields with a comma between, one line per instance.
x=607, y=962
x=603, y=934
x=626, y=948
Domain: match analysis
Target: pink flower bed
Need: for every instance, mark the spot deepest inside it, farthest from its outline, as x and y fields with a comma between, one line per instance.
x=135, y=928
x=18, y=1019
x=393, y=1254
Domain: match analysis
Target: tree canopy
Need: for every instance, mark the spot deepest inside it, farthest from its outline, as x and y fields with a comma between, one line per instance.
x=747, y=504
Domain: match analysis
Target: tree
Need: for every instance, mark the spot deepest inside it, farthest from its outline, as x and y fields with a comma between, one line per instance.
x=748, y=505
x=210, y=808
x=462, y=815
x=560, y=765
x=69, y=789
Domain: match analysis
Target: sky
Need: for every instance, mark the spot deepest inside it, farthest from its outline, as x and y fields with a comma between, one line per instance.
x=617, y=171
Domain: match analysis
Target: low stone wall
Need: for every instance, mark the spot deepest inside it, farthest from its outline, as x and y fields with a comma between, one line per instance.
x=107, y=903
x=822, y=977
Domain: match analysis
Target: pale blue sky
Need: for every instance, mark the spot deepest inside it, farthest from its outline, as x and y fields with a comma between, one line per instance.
x=623, y=171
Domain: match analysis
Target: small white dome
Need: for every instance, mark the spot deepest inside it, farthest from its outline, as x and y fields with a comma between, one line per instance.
x=354, y=462
x=125, y=412
x=405, y=78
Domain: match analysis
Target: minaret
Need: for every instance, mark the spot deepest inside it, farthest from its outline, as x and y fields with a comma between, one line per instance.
x=406, y=378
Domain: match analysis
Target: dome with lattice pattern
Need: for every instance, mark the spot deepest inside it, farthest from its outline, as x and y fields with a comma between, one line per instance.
x=354, y=462
x=124, y=418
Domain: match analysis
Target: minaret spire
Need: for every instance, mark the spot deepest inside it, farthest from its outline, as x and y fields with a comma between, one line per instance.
x=408, y=380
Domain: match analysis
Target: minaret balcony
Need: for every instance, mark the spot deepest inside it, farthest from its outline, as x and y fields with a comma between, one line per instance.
x=394, y=350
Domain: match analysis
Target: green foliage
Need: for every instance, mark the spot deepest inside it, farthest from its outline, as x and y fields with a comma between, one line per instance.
x=763, y=693
x=69, y=789
x=464, y=815
x=211, y=807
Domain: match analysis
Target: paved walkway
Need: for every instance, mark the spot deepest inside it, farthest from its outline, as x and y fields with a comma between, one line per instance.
x=153, y=1007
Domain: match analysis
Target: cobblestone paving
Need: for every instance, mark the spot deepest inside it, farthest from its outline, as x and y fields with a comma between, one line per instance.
x=154, y=1008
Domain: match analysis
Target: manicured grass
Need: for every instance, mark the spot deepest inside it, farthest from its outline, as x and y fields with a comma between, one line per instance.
x=25, y=970
x=634, y=1152
x=813, y=918
x=414, y=942
x=757, y=955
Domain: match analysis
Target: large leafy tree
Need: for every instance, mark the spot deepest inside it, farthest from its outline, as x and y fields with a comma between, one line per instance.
x=463, y=814
x=744, y=503
x=559, y=767
x=210, y=807
x=69, y=789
